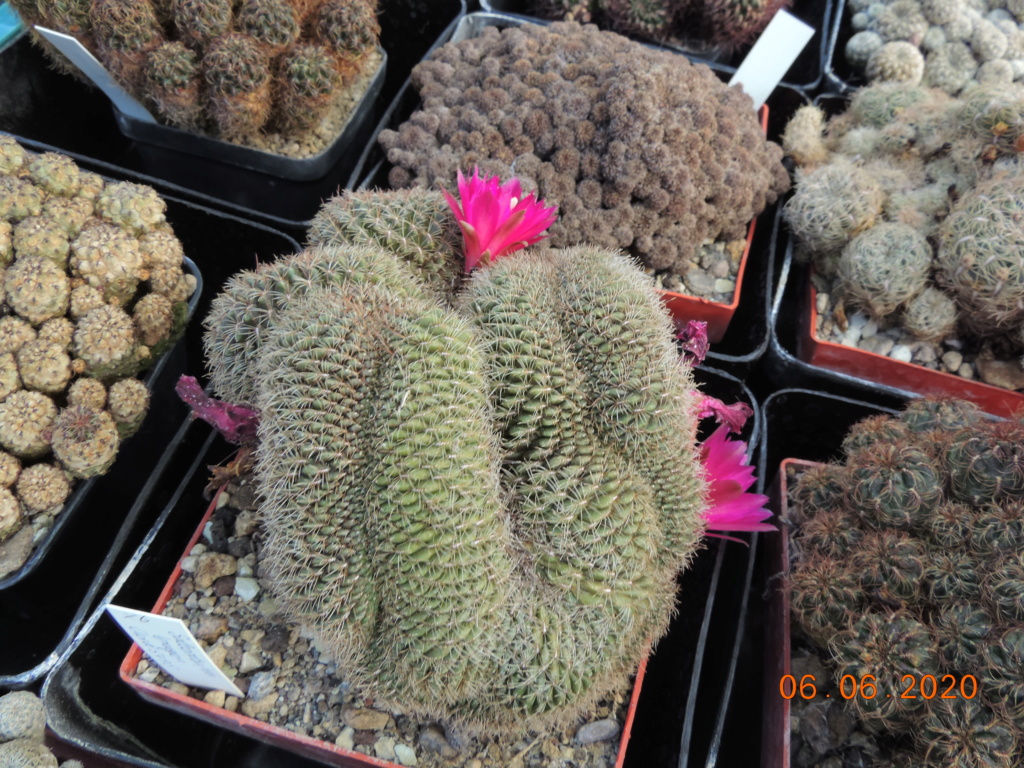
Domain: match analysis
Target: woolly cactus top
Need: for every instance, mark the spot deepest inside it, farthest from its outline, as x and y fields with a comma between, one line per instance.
x=639, y=149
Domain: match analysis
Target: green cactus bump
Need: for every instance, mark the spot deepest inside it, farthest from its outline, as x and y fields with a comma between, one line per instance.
x=305, y=87
x=481, y=498
x=237, y=72
x=939, y=581
x=172, y=83
x=85, y=441
x=885, y=267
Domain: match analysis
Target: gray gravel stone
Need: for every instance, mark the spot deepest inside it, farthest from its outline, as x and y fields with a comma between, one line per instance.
x=599, y=730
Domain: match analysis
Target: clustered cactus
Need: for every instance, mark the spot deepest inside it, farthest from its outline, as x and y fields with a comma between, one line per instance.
x=475, y=491
x=638, y=148
x=230, y=69
x=727, y=23
x=93, y=292
x=945, y=44
x=22, y=728
x=909, y=204
x=908, y=563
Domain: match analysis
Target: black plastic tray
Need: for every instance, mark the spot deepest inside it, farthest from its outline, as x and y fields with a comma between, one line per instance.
x=747, y=338
x=90, y=710
x=38, y=104
x=227, y=157
x=83, y=491
x=806, y=72
x=840, y=77
x=41, y=613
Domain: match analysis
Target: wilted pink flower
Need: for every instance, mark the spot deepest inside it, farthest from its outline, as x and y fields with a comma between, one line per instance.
x=496, y=219
x=732, y=416
x=236, y=423
x=730, y=507
x=694, y=341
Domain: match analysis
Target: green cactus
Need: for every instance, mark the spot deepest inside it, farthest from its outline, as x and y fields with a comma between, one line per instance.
x=305, y=88
x=962, y=731
x=733, y=23
x=134, y=207
x=237, y=72
x=198, y=22
x=824, y=597
x=19, y=199
x=44, y=366
x=26, y=420
x=962, y=632
x=42, y=488
x=12, y=156
x=348, y=27
x=37, y=289
x=41, y=236
x=106, y=345
x=931, y=315
x=127, y=403
x=172, y=83
x=107, y=257
x=874, y=431
x=896, y=487
x=416, y=226
x=125, y=30
x=651, y=18
x=885, y=267
x=272, y=22
x=986, y=464
x=54, y=173
x=467, y=496
x=879, y=105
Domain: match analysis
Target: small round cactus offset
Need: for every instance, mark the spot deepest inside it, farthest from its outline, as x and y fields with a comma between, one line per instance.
x=22, y=728
x=81, y=315
x=515, y=450
x=939, y=591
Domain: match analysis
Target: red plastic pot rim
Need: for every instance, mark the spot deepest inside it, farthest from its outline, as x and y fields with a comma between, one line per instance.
x=879, y=369
x=716, y=314
x=315, y=749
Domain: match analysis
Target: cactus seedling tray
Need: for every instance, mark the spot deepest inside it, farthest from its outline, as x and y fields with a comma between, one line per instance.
x=908, y=378
x=82, y=491
x=223, y=152
x=322, y=751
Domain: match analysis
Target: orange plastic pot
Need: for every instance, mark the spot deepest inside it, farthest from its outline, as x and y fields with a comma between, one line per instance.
x=716, y=314
x=908, y=377
x=325, y=752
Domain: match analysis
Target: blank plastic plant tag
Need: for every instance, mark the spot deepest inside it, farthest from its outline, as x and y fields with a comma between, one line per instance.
x=168, y=642
x=91, y=68
x=772, y=56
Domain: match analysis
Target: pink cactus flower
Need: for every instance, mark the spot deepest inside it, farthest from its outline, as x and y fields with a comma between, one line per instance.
x=730, y=506
x=496, y=219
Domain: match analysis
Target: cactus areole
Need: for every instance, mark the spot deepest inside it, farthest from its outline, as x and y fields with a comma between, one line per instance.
x=477, y=498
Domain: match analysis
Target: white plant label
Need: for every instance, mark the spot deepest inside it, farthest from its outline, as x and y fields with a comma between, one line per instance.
x=175, y=650
x=772, y=56
x=91, y=68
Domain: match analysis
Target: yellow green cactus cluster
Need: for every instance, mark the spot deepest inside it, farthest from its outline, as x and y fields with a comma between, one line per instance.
x=93, y=292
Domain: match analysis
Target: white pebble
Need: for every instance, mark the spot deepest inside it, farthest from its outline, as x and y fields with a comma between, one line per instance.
x=725, y=286
x=902, y=353
x=966, y=371
x=870, y=329
x=952, y=360
x=405, y=755
x=246, y=588
x=347, y=738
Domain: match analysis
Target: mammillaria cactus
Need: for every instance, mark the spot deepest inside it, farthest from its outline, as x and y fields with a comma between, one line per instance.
x=83, y=311
x=509, y=463
x=588, y=119
x=232, y=72
x=938, y=589
x=22, y=727
x=727, y=23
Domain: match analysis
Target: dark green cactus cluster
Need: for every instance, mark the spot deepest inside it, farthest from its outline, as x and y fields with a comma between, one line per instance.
x=726, y=23
x=93, y=292
x=230, y=69
x=476, y=492
x=908, y=563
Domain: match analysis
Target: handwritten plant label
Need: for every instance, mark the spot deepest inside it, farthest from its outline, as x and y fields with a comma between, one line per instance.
x=772, y=56
x=173, y=648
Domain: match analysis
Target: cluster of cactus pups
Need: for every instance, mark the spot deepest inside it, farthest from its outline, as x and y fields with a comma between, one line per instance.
x=726, y=23
x=92, y=292
x=22, y=728
x=909, y=204
x=228, y=68
x=908, y=563
x=476, y=490
x=945, y=44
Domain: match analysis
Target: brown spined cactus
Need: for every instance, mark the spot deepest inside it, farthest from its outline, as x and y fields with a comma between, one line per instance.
x=942, y=597
x=305, y=86
x=172, y=84
x=198, y=22
x=125, y=31
x=274, y=23
x=236, y=71
x=348, y=27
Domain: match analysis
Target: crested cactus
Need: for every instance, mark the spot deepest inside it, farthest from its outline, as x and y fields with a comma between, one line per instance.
x=939, y=582
x=478, y=479
x=80, y=313
x=232, y=70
